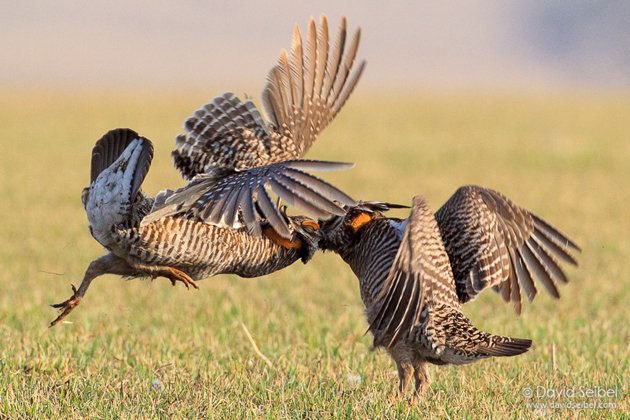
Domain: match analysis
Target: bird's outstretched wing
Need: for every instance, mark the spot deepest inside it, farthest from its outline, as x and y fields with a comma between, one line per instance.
x=242, y=197
x=308, y=87
x=493, y=242
x=304, y=92
x=224, y=133
x=419, y=278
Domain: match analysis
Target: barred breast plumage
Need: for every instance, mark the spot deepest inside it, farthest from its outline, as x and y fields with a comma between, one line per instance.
x=224, y=220
x=202, y=250
x=414, y=274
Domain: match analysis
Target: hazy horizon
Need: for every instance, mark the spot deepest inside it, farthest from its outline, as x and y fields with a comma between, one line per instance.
x=528, y=45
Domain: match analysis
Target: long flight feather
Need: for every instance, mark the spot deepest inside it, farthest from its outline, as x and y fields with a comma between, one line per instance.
x=322, y=55
x=333, y=68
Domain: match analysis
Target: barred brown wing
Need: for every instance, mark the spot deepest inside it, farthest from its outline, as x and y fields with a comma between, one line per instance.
x=218, y=201
x=492, y=242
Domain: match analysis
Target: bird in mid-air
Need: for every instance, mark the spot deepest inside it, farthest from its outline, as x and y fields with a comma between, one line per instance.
x=225, y=220
x=415, y=273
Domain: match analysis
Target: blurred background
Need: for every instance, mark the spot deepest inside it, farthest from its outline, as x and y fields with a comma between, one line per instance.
x=531, y=98
x=488, y=44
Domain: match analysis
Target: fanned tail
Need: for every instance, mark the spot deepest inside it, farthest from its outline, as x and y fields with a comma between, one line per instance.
x=120, y=162
x=111, y=146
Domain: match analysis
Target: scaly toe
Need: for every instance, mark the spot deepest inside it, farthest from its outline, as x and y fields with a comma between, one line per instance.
x=65, y=308
x=68, y=301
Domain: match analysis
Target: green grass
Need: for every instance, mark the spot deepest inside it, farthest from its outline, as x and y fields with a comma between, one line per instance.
x=142, y=348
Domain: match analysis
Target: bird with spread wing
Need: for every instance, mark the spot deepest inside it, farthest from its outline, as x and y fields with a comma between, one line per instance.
x=225, y=220
x=414, y=274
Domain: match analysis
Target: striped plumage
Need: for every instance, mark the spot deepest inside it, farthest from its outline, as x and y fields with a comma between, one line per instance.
x=202, y=250
x=493, y=242
x=224, y=220
x=180, y=248
x=304, y=92
x=227, y=136
x=414, y=274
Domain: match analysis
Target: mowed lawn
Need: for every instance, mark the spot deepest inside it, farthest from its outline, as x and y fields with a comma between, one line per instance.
x=145, y=348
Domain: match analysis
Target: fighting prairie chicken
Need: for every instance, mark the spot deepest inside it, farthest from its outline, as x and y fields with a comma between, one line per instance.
x=224, y=220
x=414, y=274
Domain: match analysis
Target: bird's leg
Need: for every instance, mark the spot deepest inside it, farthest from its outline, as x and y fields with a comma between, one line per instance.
x=421, y=375
x=175, y=275
x=405, y=371
x=107, y=264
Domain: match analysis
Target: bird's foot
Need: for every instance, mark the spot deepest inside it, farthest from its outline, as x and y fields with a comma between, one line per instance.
x=175, y=275
x=66, y=306
x=420, y=391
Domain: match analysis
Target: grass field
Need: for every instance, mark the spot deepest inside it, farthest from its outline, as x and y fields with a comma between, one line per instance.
x=145, y=349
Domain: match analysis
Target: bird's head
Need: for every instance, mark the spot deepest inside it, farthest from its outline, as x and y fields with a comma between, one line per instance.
x=340, y=232
x=308, y=231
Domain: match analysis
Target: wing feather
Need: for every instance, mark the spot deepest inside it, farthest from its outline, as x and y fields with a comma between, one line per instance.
x=296, y=200
x=344, y=70
x=246, y=203
x=304, y=92
x=524, y=277
x=306, y=194
x=297, y=66
x=227, y=147
x=322, y=56
x=320, y=186
x=539, y=270
x=420, y=277
x=224, y=133
x=310, y=58
x=480, y=227
x=217, y=201
x=271, y=212
x=336, y=56
x=547, y=261
x=328, y=77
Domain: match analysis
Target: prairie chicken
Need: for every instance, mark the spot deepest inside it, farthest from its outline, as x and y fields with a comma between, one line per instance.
x=224, y=220
x=414, y=274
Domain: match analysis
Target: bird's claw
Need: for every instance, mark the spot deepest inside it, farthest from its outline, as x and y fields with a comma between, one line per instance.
x=175, y=275
x=66, y=306
x=187, y=282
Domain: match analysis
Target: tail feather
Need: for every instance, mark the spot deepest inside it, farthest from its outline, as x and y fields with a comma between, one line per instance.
x=120, y=162
x=506, y=346
x=467, y=343
x=109, y=148
x=142, y=167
